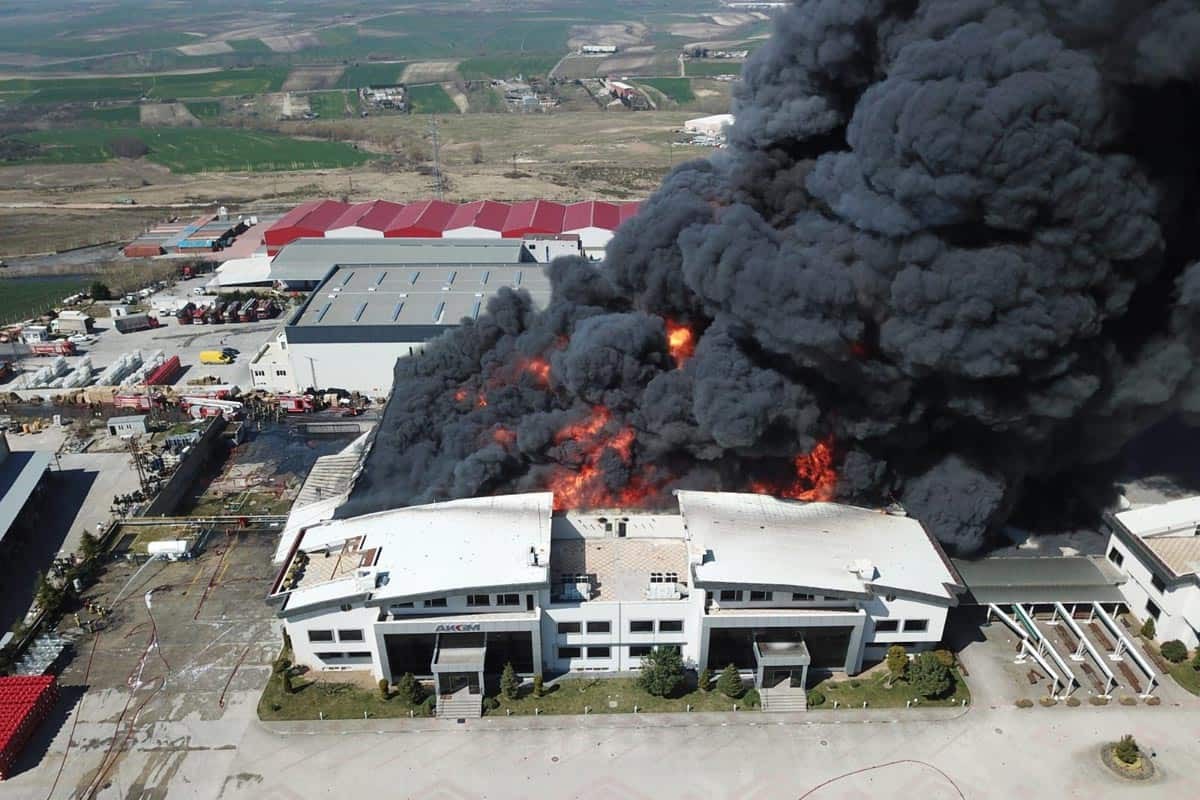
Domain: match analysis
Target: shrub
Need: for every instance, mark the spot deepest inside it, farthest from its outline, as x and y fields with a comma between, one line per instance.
x=383, y=689
x=1127, y=750
x=929, y=677
x=126, y=147
x=89, y=546
x=855, y=683
x=815, y=698
x=946, y=657
x=1154, y=700
x=282, y=665
x=100, y=291
x=1128, y=701
x=285, y=678
x=429, y=706
x=1148, y=630
x=539, y=688
x=510, y=684
x=897, y=661
x=410, y=689
x=1073, y=702
x=751, y=698
x=491, y=703
x=1024, y=702
x=1196, y=660
x=704, y=680
x=1047, y=701
x=1097, y=700
x=730, y=682
x=662, y=672
x=1174, y=651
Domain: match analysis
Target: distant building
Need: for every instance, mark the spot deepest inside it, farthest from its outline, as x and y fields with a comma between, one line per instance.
x=1158, y=547
x=715, y=125
x=598, y=49
x=127, y=426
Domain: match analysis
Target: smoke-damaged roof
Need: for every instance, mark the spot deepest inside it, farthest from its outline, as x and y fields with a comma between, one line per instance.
x=398, y=297
x=841, y=550
x=432, y=550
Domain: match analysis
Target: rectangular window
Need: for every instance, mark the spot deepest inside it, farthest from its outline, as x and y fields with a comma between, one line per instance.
x=358, y=654
x=1158, y=583
x=639, y=650
x=599, y=627
x=641, y=626
x=331, y=656
x=1115, y=556
x=403, y=605
x=320, y=636
x=1152, y=609
x=761, y=597
x=887, y=625
x=350, y=636
x=280, y=373
x=435, y=602
x=670, y=626
x=599, y=652
x=916, y=625
x=801, y=597
x=664, y=577
x=568, y=627
x=479, y=600
x=508, y=599
x=731, y=595
x=569, y=652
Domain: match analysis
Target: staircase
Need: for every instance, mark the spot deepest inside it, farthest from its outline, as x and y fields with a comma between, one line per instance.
x=783, y=700
x=460, y=705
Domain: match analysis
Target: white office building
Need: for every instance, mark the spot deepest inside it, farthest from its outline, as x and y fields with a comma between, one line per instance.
x=453, y=591
x=1158, y=548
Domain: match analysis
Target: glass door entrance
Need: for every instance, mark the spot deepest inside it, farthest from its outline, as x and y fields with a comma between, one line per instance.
x=783, y=677
x=453, y=682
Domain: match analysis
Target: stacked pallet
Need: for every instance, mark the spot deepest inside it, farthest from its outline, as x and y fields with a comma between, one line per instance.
x=25, y=702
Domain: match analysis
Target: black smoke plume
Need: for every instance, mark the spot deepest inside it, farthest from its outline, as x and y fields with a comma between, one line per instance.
x=957, y=239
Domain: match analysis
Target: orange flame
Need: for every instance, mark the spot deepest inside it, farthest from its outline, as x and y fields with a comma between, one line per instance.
x=539, y=368
x=681, y=341
x=583, y=486
x=815, y=479
x=504, y=436
x=481, y=400
x=460, y=395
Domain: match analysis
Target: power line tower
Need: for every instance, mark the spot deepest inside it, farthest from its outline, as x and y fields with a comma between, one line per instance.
x=437, y=156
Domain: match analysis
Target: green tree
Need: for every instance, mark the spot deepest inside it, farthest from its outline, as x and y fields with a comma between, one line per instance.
x=897, y=662
x=1174, y=651
x=730, y=682
x=285, y=678
x=100, y=291
x=1196, y=660
x=928, y=676
x=662, y=672
x=1127, y=750
x=410, y=689
x=48, y=596
x=383, y=689
x=704, y=681
x=1148, y=630
x=539, y=688
x=89, y=546
x=510, y=684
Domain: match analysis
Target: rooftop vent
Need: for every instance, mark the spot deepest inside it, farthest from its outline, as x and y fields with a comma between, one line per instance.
x=864, y=568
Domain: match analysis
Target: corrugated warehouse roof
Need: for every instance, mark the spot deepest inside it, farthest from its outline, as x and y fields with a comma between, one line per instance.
x=310, y=260
x=591, y=214
x=426, y=218
x=352, y=216
x=486, y=214
x=381, y=215
x=533, y=216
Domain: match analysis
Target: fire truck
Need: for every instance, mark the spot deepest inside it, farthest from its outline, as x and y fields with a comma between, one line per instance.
x=204, y=407
x=297, y=403
x=55, y=348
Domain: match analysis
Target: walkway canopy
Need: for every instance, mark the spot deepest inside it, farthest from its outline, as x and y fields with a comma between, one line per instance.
x=1064, y=579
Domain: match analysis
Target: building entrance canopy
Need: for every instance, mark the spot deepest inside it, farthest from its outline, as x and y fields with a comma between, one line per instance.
x=777, y=657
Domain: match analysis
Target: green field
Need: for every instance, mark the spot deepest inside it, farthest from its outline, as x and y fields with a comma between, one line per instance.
x=249, y=45
x=677, y=89
x=477, y=34
x=332, y=105
x=21, y=298
x=199, y=149
x=118, y=115
x=205, y=109
x=474, y=69
x=430, y=98
x=700, y=69
x=221, y=83
x=358, y=75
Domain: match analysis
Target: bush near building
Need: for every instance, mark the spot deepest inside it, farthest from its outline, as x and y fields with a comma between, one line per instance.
x=704, y=680
x=1148, y=630
x=730, y=682
x=1174, y=651
x=928, y=676
x=897, y=661
x=662, y=672
x=510, y=684
x=1127, y=750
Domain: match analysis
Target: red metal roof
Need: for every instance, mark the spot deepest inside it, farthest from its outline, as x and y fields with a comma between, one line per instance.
x=629, y=209
x=486, y=214
x=277, y=234
x=591, y=214
x=309, y=219
x=351, y=216
x=426, y=218
x=380, y=217
x=533, y=216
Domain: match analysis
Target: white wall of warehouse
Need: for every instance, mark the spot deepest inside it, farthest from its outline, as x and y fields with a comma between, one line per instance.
x=365, y=367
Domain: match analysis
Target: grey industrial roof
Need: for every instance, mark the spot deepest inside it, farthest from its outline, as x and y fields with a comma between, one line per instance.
x=1062, y=579
x=414, y=295
x=311, y=259
x=20, y=473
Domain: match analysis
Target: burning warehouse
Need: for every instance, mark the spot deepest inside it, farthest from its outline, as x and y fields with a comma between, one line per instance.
x=950, y=262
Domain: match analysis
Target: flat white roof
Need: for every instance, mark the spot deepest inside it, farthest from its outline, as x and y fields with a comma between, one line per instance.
x=752, y=539
x=1177, y=516
x=438, y=549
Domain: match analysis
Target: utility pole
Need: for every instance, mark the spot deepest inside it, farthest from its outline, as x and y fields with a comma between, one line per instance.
x=437, y=158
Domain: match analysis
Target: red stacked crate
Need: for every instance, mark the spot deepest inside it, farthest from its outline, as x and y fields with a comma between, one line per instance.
x=25, y=702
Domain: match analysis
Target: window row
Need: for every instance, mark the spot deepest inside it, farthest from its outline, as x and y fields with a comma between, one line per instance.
x=355, y=654
x=635, y=651
x=756, y=596
x=894, y=625
x=475, y=600
x=343, y=635
x=592, y=627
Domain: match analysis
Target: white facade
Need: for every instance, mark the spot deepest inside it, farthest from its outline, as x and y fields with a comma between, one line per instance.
x=593, y=239
x=353, y=232
x=1158, y=548
x=712, y=125
x=471, y=232
x=365, y=367
x=507, y=580
x=271, y=367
